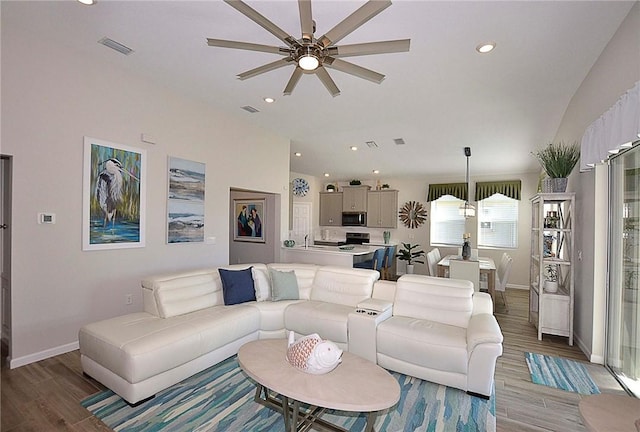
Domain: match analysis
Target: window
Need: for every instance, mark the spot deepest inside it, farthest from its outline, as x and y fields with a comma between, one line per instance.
x=498, y=222
x=447, y=225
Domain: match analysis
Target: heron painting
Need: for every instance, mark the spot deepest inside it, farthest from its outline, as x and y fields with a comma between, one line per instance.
x=114, y=196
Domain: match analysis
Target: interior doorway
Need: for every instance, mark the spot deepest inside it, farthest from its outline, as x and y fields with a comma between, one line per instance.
x=301, y=222
x=6, y=164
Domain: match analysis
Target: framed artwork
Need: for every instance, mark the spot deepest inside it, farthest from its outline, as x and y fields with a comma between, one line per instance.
x=185, y=201
x=249, y=220
x=114, y=193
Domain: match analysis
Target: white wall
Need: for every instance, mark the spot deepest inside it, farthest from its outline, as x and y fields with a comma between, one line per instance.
x=51, y=98
x=616, y=71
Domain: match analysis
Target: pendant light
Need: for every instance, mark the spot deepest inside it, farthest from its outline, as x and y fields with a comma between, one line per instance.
x=466, y=209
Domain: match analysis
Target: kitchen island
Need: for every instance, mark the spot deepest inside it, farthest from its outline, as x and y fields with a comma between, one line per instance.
x=327, y=255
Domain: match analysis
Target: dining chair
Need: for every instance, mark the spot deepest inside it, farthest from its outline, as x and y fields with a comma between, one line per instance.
x=466, y=270
x=432, y=261
x=375, y=263
x=436, y=253
x=387, y=262
x=502, y=277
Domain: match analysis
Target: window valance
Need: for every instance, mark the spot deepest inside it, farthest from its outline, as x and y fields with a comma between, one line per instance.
x=510, y=188
x=458, y=190
x=616, y=129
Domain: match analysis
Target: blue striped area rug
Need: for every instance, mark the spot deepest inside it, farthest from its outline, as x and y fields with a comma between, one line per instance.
x=560, y=373
x=221, y=399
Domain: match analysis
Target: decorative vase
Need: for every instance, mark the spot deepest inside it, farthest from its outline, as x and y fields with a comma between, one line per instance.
x=547, y=185
x=387, y=236
x=559, y=184
x=466, y=247
x=410, y=268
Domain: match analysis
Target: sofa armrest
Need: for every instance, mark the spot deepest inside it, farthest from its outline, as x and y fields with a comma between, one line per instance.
x=483, y=328
x=482, y=303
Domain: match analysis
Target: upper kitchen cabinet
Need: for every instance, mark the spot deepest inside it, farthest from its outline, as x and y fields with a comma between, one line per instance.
x=382, y=209
x=354, y=198
x=330, y=208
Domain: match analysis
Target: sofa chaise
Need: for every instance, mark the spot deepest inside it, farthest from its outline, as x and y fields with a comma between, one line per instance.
x=188, y=324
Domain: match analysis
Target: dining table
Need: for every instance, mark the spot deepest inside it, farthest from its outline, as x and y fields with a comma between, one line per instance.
x=487, y=267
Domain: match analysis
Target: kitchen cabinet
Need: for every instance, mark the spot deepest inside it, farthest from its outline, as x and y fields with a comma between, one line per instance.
x=330, y=208
x=552, y=257
x=354, y=198
x=382, y=209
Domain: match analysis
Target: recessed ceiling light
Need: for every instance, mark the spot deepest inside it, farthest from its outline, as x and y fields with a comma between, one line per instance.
x=88, y=2
x=354, y=148
x=269, y=100
x=376, y=171
x=326, y=174
x=298, y=154
x=484, y=48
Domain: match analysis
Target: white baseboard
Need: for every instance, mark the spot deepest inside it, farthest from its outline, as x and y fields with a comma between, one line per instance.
x=42, y=355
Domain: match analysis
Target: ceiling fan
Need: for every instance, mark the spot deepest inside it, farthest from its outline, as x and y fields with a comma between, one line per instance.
x=311, y=55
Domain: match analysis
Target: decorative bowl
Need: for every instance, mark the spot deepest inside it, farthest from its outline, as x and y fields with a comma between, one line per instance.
x=346, y=247
x=289, y=243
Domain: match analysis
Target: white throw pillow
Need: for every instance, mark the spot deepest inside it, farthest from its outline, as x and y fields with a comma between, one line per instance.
x=261, y=284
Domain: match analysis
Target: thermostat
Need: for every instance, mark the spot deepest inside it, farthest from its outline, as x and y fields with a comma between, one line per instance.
x=46, y=218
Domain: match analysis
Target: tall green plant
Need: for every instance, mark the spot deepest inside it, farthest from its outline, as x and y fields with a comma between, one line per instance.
x=558, y=159
x=409, y=255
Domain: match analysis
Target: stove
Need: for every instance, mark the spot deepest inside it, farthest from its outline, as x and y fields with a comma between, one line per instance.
x=357, y=238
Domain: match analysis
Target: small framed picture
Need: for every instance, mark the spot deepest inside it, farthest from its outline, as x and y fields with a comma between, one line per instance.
x=249, y=220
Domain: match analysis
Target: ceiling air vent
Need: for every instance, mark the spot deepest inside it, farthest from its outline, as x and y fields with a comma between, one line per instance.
x=399, y=141
x=250, y=109
x=372, y=144
x=115, y=46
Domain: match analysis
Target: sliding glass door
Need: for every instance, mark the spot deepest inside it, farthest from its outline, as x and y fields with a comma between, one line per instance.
x=623, y=329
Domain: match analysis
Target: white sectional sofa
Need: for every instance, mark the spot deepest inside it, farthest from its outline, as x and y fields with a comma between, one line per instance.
x=186, y=327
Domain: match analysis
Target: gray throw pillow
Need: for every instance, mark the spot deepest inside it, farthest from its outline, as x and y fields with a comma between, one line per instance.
x=284, y=285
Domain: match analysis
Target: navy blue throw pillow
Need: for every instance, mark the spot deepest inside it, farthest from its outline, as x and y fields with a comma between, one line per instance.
x=237, y=286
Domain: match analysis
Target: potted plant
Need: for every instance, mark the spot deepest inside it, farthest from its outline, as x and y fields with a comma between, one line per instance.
x=355, y=182
x=385, y=186
x=331, y=187
x=558, y=160
x=551, y=278
x=408, y=254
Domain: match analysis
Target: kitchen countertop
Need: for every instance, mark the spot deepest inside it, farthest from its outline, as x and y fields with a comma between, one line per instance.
x=357, y=250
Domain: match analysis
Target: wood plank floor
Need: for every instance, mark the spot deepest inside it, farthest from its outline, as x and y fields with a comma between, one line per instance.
x=45, y=396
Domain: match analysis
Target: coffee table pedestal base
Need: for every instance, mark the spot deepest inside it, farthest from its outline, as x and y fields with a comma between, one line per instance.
x=299, y=420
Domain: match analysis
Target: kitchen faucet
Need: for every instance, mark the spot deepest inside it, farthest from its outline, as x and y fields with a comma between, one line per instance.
x=305, y=240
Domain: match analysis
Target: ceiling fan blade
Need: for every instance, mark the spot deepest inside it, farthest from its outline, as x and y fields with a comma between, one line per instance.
x=262, y=21
x=324, y=76
x=353, y=21
x=293, y=81
x=384, y=47
x=248, y=46
x=306, y=19
x=264, y=68
x=353, y=69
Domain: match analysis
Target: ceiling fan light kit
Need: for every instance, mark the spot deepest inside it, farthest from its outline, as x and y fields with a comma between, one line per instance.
x=311, y=55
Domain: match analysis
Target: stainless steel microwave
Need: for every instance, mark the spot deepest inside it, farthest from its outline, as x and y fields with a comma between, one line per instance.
x=354, y=219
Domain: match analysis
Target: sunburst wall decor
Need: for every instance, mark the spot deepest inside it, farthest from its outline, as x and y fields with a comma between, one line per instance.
x=413, y=214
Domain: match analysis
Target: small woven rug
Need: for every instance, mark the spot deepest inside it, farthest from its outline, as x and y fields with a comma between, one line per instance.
x=560, y=373
x=221, y=399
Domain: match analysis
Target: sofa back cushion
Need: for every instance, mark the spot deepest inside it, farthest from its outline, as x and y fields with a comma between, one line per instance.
x=342, y=285
x=442, y=300
x=184, y=292
x=305, y=274
x=181, y=293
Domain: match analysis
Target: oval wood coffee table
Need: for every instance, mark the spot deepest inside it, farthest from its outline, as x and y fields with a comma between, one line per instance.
x=356, y=385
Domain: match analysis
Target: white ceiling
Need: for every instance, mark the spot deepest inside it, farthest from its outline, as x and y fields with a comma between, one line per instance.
x=439, y=97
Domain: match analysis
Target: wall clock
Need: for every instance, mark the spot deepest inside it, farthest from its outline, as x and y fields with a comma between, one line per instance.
x=413, y=214
x=300, y=187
